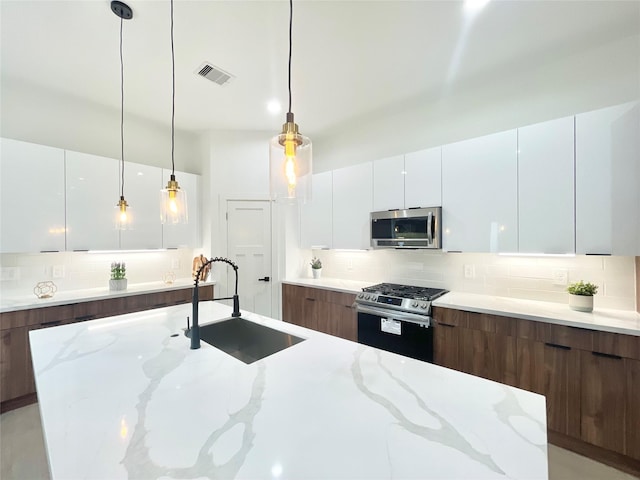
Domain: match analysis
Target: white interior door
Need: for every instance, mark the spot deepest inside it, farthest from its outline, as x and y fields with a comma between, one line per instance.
x=249, y=246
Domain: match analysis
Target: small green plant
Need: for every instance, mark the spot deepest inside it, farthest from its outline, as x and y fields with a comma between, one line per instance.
x=315, y=263
x=581, y=288
x=118, y=270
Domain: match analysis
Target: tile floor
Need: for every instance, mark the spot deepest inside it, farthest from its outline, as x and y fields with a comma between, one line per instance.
x=23, y=454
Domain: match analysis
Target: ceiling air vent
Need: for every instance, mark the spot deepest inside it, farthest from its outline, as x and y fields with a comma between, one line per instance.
x=215, y=74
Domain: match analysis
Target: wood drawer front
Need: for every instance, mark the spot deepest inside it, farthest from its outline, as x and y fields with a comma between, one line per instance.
x=36, y=316
x=450, y=317
x=617, y=344
x=341, y=298
x=566, y=336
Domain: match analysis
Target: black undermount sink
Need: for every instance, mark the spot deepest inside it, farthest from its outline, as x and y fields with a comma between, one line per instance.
x=247, y=341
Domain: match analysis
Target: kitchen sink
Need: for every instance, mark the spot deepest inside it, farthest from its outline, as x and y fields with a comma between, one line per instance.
x=245, y=340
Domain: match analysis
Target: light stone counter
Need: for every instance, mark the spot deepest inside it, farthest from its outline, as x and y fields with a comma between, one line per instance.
x=616, y=321
x=12, y=302
x=121, y=398
x=607, y=320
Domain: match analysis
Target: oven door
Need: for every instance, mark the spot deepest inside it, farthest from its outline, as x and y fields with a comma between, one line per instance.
x=398, y=332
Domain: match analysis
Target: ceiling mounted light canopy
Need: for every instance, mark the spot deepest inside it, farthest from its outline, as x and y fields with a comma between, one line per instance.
x=173, y=200
x=123, y=220
x=290, y=162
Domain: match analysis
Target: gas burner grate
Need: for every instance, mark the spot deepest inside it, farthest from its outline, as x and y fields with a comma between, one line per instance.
x=406, y=291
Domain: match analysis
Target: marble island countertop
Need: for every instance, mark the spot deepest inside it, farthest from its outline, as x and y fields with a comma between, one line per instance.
x=607, y=320
x=17, y=301
x=121, y=397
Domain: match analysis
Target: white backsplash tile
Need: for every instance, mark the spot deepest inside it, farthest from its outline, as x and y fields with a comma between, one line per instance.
x=526, y=277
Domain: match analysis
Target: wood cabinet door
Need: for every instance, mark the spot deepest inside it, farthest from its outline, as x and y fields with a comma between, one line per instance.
x=603, y=398
x=446, y=345
x=632, y=434
x=553, y=371
x=292, y=304
x=15, y=364
x=488, y=355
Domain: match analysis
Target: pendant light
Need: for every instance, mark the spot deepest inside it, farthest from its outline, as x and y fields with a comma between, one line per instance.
x=173, y=200
x=290, y=153
x=122, y=216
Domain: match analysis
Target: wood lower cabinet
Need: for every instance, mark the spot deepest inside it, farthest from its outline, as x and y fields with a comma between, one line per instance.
x=591, y=379
x=322, y=310
x=552, y=370
x=17, y=384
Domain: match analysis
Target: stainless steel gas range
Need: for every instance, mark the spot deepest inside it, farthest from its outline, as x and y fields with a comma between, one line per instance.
x=397, y=318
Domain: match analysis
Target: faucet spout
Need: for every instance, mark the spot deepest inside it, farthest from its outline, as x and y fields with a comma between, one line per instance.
x=195, y=328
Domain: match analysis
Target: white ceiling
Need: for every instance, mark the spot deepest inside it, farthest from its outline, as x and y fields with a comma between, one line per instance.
x=349, y=57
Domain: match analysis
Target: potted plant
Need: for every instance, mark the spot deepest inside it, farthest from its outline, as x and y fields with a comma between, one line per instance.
x=581, y=296
x=118, y=279
x=316, y=267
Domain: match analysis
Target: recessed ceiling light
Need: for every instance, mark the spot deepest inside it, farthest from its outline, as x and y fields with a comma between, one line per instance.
x=474, y=5
x=274, y=107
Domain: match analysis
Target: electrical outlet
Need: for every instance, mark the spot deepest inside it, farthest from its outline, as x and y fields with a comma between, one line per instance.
x=58, y=271
x=350, y=264
x=469, y=271
x=9, y=273
x=175, y=263
x=560, y=276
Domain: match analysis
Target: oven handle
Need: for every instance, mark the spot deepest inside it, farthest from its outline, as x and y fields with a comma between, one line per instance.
x=423, y=320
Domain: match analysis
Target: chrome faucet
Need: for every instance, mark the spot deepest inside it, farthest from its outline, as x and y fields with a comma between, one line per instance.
x=195, y=329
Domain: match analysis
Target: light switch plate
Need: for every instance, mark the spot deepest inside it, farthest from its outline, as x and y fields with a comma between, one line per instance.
x=469, y=271
x=560, y=276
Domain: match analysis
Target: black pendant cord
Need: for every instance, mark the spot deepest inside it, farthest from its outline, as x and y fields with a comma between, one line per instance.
x=173, y=96
x=121, y=115
x=290, y=43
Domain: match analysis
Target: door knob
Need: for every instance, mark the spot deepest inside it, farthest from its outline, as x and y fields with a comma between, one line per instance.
x=265, y=279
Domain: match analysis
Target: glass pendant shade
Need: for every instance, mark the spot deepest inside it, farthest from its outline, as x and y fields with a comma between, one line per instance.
x=173, y=203
x=290, y=165
x=123, y=218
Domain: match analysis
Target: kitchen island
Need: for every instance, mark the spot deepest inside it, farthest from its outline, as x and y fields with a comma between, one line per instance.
x=121, y=397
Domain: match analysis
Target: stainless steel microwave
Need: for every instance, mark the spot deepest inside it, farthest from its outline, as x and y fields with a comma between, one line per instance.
x=411, y=228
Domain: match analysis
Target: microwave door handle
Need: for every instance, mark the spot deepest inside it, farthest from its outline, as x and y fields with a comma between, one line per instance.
x=429, y=228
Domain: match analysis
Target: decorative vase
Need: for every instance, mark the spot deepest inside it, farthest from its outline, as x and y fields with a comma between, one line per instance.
x=581, y=303
x=118, y=284
x=316, y=272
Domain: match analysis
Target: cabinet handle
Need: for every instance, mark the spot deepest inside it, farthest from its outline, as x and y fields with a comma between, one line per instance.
x=445, y=325
x=49, y=251
x=555, y=345
x=311, y=299
x=80, y=249
x=51, y=323
x=599, y=254
x=606, y=355
x=160, y=305
x=83, y=318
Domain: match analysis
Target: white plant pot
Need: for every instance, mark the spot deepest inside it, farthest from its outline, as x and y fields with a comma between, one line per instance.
x=581, y=303
x=317, y=272
x=119, y=284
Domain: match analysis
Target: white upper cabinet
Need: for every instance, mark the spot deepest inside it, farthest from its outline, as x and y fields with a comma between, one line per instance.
x=479, y=194
x=608, y=181
x=316, y=217
x=141, y=186
x=423, y=178
x=388, y=183
x=92, y=190
x=183, y=235
x=32, y=197
x=545, y=187
x=352, y=205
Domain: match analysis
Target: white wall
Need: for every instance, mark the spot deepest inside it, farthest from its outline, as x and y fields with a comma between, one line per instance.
x=37, y=115
x=506, y=276
x=607, y=75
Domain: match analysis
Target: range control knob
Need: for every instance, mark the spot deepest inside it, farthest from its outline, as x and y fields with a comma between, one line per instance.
x=414, y=304
x=360, y=295
x=424, y=305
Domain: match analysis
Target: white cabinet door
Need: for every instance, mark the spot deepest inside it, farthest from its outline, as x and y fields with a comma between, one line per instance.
x=423, y=178
x=92, y=190
x=183, y=235
x=608, y=181
x=479, y=194
x=141, y=186
x=316, y=218
x=545, y=187
x=388, y=183
x=32, y=196
x=352, y=205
